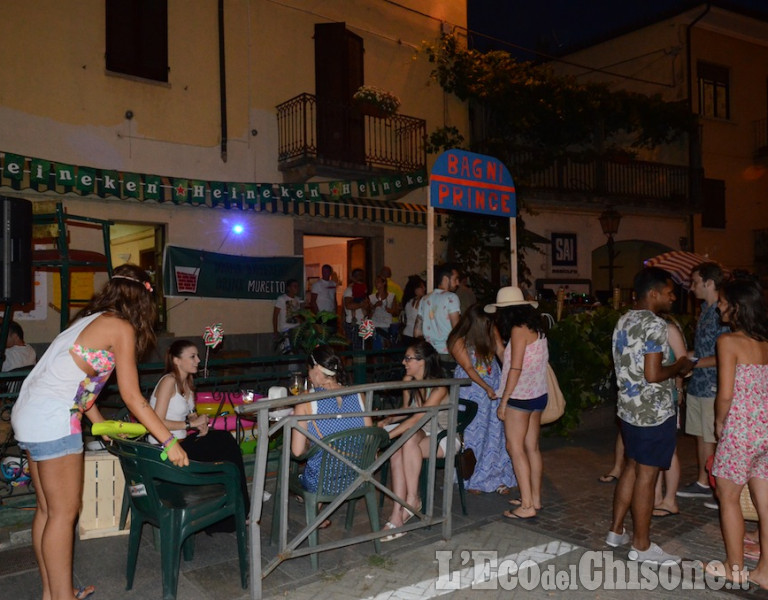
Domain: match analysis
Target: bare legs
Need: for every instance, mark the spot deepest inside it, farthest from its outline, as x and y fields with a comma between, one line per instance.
x=406, y=468
x=665, y=500
x=634, y=492
x=732, y=525
x=521, y=429
x=618, y=462
x=703, y=451
x=759, y=490
x=59, y=488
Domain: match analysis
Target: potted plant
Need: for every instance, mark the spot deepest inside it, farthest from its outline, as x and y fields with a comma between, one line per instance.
x=376, y=102
x=314, y=330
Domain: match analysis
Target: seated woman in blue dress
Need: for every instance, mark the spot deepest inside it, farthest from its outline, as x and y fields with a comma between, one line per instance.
x=326, y=372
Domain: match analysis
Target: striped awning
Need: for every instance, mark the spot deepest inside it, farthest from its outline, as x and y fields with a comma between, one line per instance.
x=363, y=209
x=678, y=264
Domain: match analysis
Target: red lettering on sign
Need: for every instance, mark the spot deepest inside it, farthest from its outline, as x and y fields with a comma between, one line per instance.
x=458, y=194
x=442, y=192
x=505, y=203
x=491, y=171
x=453, y=164
x=465, y=171
x=493, y=201
x=480, y=199
x=477, y=168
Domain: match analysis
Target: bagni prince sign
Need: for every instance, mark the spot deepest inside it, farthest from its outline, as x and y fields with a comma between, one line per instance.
x=473, y=183
x=200, y=274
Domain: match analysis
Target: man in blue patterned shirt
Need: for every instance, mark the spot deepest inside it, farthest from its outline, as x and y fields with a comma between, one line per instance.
x=646, y=411
x=706, y=280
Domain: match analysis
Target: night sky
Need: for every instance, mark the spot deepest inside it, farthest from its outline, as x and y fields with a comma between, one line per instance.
x=557, y=26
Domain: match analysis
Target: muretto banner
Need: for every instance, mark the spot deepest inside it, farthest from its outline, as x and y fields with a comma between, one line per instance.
x=21, y=172
x=192, y=273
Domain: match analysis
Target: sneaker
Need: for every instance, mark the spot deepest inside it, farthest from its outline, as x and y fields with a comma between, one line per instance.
x=614, y=539
x=695, y=490
x=654, y=555
x=712, y=503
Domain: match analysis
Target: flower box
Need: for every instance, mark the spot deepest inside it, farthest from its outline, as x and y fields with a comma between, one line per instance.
x=376, y=102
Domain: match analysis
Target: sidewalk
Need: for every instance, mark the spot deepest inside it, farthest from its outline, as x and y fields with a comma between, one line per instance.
x=574, y=521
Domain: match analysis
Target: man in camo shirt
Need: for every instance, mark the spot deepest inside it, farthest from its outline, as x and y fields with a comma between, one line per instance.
x=646, y=411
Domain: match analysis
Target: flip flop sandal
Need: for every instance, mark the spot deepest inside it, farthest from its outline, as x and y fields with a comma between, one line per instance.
x=519, y=502
x=607, y=478
x=392, y=536
x=502, y=490
x=514, y=516
x=410, y=514
x=84, y=592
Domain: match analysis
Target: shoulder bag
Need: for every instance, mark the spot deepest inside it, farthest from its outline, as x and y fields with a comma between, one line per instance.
x=555, y=399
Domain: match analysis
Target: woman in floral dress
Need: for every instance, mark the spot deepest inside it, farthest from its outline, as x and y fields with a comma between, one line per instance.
x=472, y=343
x=741, y=424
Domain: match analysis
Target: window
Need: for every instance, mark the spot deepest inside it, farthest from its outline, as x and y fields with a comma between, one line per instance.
x=714, y=91
x=137, y=38
x=713, y=204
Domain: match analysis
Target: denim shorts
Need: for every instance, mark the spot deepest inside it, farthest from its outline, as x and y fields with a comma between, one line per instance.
x=72, y=444
x=531, y=405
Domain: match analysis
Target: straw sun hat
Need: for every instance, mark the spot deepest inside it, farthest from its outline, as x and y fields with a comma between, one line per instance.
x=509, y=296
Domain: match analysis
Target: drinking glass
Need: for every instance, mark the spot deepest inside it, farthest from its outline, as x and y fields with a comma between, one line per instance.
x=298, y=384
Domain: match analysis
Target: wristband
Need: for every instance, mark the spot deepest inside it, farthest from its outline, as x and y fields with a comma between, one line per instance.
x=164, y=453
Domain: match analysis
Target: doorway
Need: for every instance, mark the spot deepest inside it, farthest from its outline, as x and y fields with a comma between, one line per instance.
x=343, y=254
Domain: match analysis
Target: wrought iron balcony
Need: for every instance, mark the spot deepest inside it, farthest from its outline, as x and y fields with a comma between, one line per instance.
x=342, y=137
x=657, y=186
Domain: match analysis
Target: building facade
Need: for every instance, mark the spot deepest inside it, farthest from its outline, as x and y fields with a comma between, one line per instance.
x=716, y=60
x=227, y=127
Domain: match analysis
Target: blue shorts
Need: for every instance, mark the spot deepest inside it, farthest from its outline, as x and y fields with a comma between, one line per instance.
x=531, y=405
x=72, y=444
x=651, y=446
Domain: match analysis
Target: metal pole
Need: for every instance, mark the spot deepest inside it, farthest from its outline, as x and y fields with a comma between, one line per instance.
x=611, y=256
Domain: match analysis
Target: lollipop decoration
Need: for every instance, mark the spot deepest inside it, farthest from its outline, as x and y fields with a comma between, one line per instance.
x=213, y=336
x=366, y=329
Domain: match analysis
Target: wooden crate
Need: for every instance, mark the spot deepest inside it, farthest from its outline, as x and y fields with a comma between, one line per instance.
x=103, y=489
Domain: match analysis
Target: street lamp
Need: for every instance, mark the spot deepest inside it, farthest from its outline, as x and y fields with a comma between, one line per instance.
x=609, y=222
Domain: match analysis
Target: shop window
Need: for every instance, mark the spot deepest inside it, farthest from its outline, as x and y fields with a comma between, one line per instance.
x=714, y=90
x=137, y=38
x=713, y=204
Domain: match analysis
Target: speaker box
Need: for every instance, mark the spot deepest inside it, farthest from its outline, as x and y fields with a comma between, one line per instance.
x=15, y=250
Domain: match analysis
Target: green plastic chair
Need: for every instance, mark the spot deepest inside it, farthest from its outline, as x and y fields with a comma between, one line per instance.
x=360, y=447
x=179, y=502
x=463, y=419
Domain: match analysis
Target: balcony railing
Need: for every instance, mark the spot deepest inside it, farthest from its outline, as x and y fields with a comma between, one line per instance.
x=342, y=135
x=623, y=178
x=760, y=129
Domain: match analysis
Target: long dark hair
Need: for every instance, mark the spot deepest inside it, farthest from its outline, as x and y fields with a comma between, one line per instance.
x=746, y=308
x=509, y=317
x=423, y=350
x=174, y=351
x=128, y=295
x=409, y=293
x=475, y=328
x=325, y=356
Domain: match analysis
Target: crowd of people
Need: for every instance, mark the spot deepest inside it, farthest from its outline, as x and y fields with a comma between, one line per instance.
x=724, y=379
x=501, y=347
